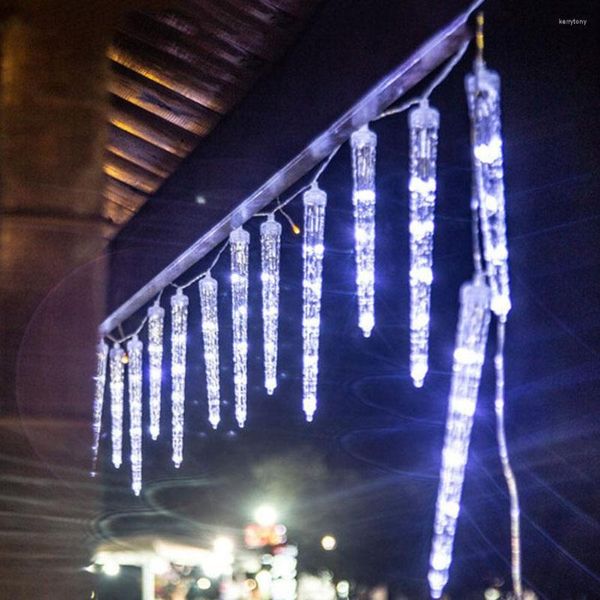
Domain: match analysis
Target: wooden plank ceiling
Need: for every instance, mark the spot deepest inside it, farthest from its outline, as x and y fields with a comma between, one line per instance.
x=175, y=74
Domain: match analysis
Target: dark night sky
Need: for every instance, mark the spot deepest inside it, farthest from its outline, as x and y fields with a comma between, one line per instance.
x=367, y=467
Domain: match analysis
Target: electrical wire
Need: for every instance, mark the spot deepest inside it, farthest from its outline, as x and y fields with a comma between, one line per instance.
x=511, y=482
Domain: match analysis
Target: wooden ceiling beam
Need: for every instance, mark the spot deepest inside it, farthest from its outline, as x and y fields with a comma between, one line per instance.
x=150, y=128
x=160, y=101
x=129, y=173
x=164, y=70
x=151, y=157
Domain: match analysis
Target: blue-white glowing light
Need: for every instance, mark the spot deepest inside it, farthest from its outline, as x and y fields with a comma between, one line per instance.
x=364, y=146
x=469, y=354
x=483, y=97
x=424, y=123
x=315, y=201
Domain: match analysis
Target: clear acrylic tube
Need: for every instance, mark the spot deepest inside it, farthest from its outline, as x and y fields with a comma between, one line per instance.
x=134, y=372
x=239, y=242
x=424, y=123
x=179, y=317
x=483, y=98
x=117, y=389
x=364, y=147
x=469, y=355
x=208, y=288
x=315, y=201
x=270, y=242
x=156, y=318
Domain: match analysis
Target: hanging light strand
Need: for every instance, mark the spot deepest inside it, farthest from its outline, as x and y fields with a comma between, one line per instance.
x=239, y=242
x=208, y=288
x=134, y=372
x=315, y=201
x=270, y=243
x=424, y=123
x=156, y=318
x=364, y=147
x=179, y=316
x=117, y=389
x=469, y=354
x=511, y=482
x=100, y=384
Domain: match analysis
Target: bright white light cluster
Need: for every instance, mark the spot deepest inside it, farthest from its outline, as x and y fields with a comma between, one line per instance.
x=315, y=201
x=179, y=317
x=134, y=373
x=469, y=354
x=156, y=318
x=364, y=144
x=239, y=241
x=270, y=244
x=117, y=389
x=100, y=382
x=424, y=123
x=483, y=97
x=208, y=288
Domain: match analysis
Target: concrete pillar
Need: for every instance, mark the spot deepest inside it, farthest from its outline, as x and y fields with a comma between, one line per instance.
x=53, y=110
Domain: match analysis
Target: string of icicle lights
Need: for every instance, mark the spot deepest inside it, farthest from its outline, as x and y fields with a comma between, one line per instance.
x=487, y=295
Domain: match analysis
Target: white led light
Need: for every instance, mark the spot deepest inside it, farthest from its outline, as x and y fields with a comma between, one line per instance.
x=134, y=372
x=315, y=201
x=483, y=97
x=100, y=382
x=156, y=317
x=117, y=389
x=423, y=123
x=471, y=339
x=364, y=143
x=208, y=288
x=179, y=317
x=270, y=242
x=239, y=241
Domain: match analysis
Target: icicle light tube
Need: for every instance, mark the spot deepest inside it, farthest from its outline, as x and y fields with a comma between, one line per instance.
x=179, y=316
x=270, y=243
x=134, y=368
x=483, y=98
x=315, y=201
x=469, y=352
x=100, y=383
x=239, y=241
x=364, y=144
x=156, y=317
x=424, y=123
x=117, y=388
x=208, y=288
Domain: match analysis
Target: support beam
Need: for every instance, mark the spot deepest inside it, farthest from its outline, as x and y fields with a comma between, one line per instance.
x=354, y=60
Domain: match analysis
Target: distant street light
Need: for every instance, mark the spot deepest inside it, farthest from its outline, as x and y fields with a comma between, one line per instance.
x=203, y=583
x=328, y=542
x=265, y=515
x=223, y=546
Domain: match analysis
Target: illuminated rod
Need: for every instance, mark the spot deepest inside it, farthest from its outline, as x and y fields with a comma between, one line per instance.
x=483, y=97
x=315, y=201
x=134, y=369
x=117, y=389
x=270, y=243
x=179, y=316
x=239, y=241
x=208, y=288
x=156, y=318
x=423, y=123
x=100, y=382
x=364, y=144
x=469, y=353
